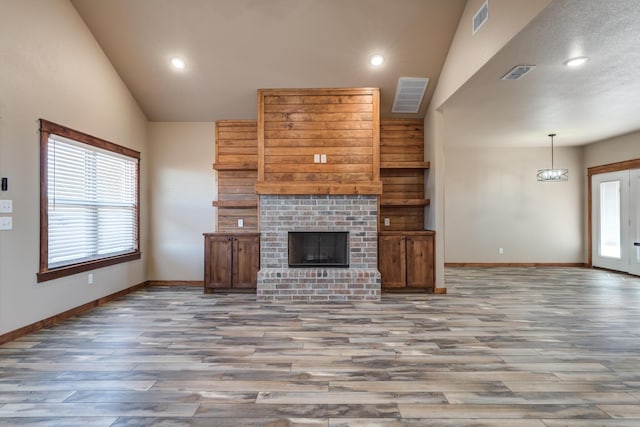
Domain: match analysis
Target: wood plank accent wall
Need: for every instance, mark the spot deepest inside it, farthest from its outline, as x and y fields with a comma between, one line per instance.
x=402, y=172
x=237, y=143
x=296, y=124
x=296, y=136
x=401, y=140
x=236, y=165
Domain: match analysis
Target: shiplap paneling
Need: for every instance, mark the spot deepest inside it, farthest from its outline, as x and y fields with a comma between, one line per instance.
x=236, y=165
x=296, y=124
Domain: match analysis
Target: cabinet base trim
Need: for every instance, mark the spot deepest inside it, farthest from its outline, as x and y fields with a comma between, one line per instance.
x=229, y=291
x=407, y=291
x=175, y=282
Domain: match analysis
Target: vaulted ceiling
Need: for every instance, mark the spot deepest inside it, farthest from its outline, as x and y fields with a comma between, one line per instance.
x=234, y=47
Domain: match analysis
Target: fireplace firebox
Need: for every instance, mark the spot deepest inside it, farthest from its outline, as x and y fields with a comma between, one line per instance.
x=314, y=249
x=357, y=217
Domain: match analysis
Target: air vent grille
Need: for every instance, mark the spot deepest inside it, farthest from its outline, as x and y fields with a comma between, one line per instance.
x=518, y=72
x=409, y=94
x=481, y=16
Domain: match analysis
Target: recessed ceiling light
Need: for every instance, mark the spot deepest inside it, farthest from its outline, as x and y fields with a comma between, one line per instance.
x=376, y=60
x=576, y=62
x=178, y=63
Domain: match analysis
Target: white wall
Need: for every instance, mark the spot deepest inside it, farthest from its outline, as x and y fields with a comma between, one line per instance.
x=467, y=54
x=181, y=195
x=51, y=67
x=493, y=200
x=618, y=149
x=434, y=186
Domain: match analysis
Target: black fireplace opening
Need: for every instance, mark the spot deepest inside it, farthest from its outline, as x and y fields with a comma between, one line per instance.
x=318, y=249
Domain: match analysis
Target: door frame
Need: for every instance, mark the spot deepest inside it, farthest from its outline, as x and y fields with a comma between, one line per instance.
x=594, y=170
x=634, y=210
x=609, y=262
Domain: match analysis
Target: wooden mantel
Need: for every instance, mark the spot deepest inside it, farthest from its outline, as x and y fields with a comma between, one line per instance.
x=301, y=189
x=299, y=127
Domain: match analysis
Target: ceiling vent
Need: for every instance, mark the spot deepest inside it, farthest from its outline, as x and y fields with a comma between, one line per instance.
x=409, y=94
x=518, y=72
x=481, y=16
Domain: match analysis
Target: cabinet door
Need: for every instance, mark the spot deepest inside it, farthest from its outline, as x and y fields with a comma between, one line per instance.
x=391, y=261
x=218, y=262
x=420, y=271
x=246, y=262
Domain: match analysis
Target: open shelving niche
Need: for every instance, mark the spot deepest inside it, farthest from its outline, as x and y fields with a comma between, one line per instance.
x=236, y=165
x=402, y=172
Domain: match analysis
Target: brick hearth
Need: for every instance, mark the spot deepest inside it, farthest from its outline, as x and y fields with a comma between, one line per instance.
x=280, y=214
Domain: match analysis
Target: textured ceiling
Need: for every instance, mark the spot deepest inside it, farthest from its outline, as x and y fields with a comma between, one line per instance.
x=596, y=101
x=232, y=48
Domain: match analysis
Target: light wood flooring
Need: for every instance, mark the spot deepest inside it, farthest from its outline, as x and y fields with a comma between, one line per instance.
x=505, y=347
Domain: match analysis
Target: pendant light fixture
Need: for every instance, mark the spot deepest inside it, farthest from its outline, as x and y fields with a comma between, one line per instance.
x=553, y=175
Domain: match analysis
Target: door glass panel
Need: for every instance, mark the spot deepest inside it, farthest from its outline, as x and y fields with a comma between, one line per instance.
x=610, y=219
x=635, y=218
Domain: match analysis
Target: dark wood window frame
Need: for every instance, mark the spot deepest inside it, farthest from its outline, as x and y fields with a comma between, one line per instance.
x=48, y=128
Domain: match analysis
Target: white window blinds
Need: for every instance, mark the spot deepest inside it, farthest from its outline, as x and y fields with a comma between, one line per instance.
x=92, y=202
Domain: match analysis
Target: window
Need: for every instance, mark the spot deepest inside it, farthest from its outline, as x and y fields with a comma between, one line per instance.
x=610, y=214
x=89, y=203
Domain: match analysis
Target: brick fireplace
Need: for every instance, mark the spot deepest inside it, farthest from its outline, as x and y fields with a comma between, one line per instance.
x=281, y=214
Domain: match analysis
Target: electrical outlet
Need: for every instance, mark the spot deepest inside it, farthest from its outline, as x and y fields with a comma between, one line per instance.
x=6, y=223
x=6, y=206
x=240, y=222
x=316, y=158
x=323, y=158
x=387, y=222
x=500, y=251
x=90, y=279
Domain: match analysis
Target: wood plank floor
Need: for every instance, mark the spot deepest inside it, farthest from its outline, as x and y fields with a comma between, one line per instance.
x=505, y=347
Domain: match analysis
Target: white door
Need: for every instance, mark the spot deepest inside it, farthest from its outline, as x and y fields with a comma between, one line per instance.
x=634, y=203
x=610, y=216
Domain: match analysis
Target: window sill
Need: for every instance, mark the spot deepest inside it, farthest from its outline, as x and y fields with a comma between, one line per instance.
x=69, y=270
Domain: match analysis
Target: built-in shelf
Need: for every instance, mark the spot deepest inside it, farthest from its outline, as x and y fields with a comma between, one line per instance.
x=404, y=202
x=235, y=204
x=404, y=165
x=235, y=166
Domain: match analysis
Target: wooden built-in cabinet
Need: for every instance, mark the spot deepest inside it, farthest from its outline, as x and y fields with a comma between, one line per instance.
x=405, y=250
x=232, y=255
x=406, y=261
x=231, y=262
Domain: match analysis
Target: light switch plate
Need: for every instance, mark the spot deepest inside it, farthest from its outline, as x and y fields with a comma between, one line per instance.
x=316, y=158
x=387, y=222
x=323, y=158
x=6, y=223
x=6, y=206
x=240, y=222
